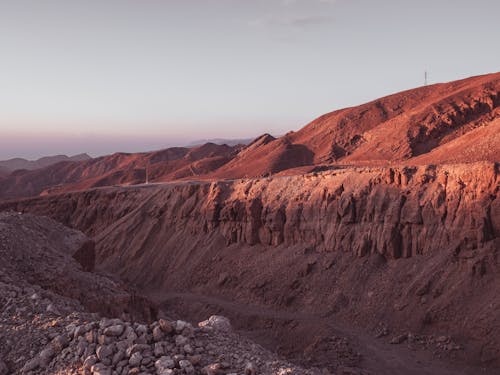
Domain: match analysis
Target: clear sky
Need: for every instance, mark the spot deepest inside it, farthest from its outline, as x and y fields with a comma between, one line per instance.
x=131, y=75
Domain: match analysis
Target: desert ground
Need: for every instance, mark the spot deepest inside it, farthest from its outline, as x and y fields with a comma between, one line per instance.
x=365, y=243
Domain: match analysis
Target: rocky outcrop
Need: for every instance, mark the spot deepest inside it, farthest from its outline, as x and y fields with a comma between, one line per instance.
x=454, y=122
x=42, y=252
x=47, y=325
x=397, y=212
x=413, y=248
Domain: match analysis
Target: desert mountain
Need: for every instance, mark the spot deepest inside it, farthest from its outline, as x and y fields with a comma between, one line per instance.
x=222, y=141
x=20, y=163
x=393, y=129
x=383, y=260
x=341, y=268
x=444, y=123
x=119, y=168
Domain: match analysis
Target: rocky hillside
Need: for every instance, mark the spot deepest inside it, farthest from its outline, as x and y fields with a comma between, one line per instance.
x=20, y=163
x=452, y=122
x=334, y=245
x=394, y=129
x=365, y=243
x=119, y=168
x=58, y=317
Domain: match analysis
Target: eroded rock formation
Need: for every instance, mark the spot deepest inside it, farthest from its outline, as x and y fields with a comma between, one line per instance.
x=342, y=242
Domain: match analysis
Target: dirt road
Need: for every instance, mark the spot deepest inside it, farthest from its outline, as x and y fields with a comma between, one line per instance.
x=286, y=333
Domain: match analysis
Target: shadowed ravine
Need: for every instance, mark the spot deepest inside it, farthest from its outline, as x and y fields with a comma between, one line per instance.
x=410, y=249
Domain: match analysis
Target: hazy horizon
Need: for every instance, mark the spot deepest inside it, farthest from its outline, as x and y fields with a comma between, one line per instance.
x=126, y=75
x=96, y=147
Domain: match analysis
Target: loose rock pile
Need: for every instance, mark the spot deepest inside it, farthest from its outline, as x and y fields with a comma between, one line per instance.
x=44, y=329
x=35, y=339
x=32, y=326
x=111, y=346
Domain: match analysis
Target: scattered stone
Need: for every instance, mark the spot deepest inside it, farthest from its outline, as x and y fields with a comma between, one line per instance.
x=100, y=369
x=212, y=369
x=250, y=369
x=103, y=352
x=115, y=330
x=135, y=359
x=90, y=337
x=118, y=356
x=141, y=329
x=38, y=336
x=164, y=364
x=90, y=361
x=59, y=343
x=442, y=339
x=195, y=359
x=186, y=366
x=158, y=334
x=181, y=340
x=165, y=326
x=46, y=356
x=217, y=322
x=52, y=309
x=399, y=339
x=180, y=325
x=136, y=348
x=31, y=365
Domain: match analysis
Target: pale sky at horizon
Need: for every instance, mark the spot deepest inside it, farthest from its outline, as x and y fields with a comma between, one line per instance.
x=101, y=76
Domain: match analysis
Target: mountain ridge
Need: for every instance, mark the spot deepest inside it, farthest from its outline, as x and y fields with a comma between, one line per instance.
x=14, y=164
x=452, y=122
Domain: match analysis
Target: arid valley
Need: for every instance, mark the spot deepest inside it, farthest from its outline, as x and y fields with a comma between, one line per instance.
x=366, y=242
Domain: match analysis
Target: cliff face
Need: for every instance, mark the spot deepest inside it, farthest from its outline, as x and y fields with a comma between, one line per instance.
x=394, y=212
x=415, y=248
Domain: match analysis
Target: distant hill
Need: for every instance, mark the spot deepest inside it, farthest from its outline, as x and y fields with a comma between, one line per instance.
x=222, y=141
x=20, y=163
x=454, y=122
x=119, y=168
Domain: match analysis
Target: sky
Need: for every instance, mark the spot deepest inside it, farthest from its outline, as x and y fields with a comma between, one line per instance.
x=101, y=76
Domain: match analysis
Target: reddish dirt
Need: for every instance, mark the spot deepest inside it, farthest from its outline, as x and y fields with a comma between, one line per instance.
x=444, y=123
x=404, y=125
x=478, y=144
x=318, y=340
x=410, y=249
x=119, y=168
x=372, y=225
x=42, y=252
x=393, y=129
x=47, y=327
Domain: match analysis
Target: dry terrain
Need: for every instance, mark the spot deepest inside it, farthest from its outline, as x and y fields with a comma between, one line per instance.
x=452, y=122
x=365, y=243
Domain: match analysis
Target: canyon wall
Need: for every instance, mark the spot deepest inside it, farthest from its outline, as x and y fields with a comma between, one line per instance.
x=413, y=248
x=396, y=212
